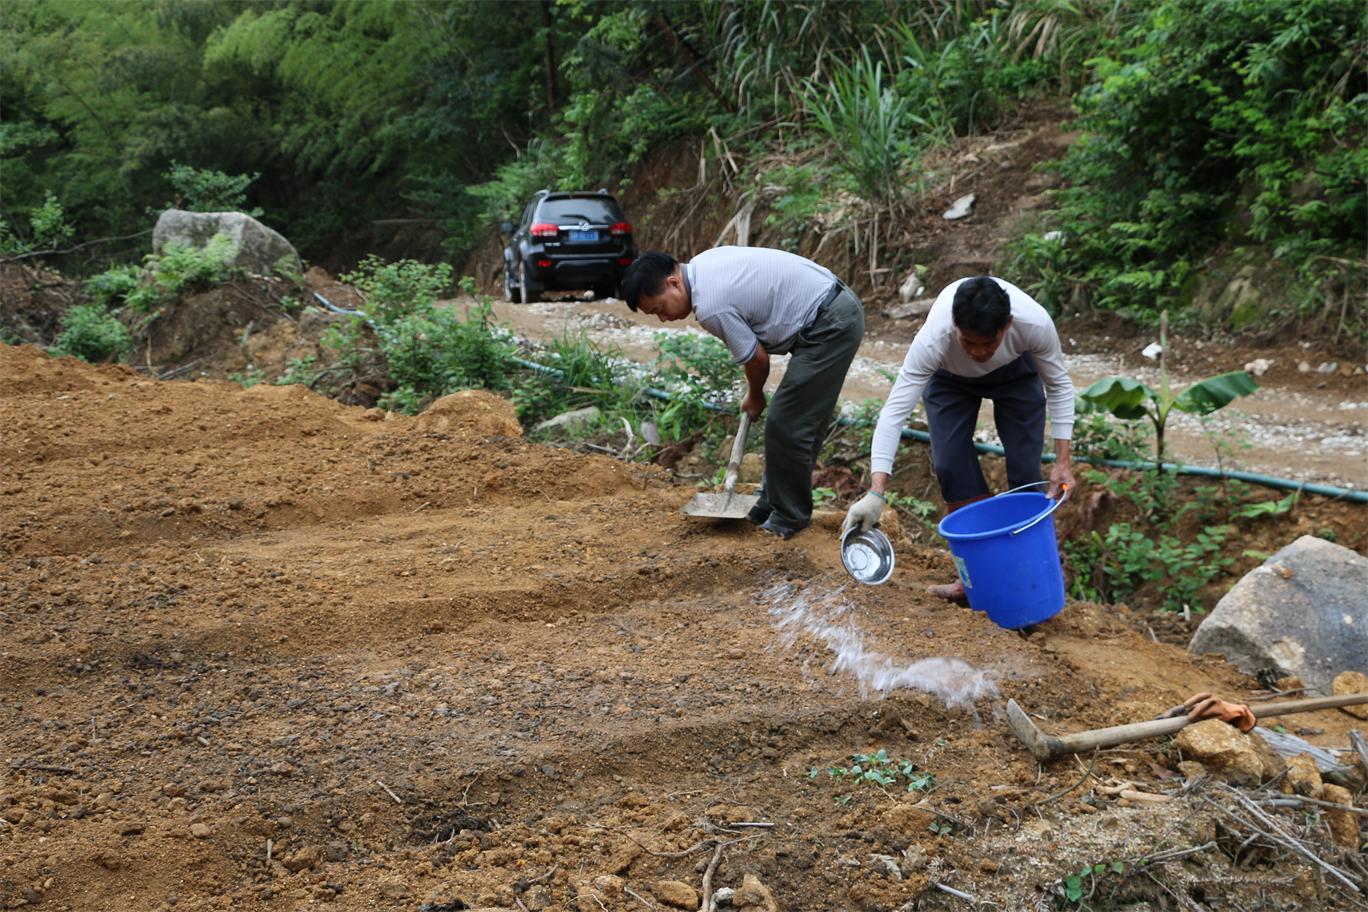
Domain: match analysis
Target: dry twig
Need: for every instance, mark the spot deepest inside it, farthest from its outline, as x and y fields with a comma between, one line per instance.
x=707, y=879
x=1269, y=829
x=390, y=792
x=1062, y=792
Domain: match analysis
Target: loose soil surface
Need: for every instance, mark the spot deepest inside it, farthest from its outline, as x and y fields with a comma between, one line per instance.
x=261, y=650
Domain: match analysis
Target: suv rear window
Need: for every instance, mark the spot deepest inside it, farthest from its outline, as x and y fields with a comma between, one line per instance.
x=590, y=209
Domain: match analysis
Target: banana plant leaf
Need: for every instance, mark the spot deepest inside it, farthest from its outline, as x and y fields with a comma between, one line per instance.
x=1206, y=396
x=1123, y=397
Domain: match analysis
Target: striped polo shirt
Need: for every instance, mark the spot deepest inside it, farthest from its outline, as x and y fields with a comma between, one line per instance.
x=745, y=295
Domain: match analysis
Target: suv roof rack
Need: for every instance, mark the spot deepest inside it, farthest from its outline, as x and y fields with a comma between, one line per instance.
x=572, y=194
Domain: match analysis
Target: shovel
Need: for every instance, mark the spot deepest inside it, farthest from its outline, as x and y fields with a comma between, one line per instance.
x=728, y=504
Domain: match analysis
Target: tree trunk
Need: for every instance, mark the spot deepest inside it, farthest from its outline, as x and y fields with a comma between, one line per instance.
x=549, y=55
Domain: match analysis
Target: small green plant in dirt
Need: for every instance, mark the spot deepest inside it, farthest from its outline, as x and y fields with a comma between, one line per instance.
x=1131, y=400
x=1112, y=566
x=915, y=509
x=298, y=370
x=822, y=496
x=1098, y=435
x=92, y=333
x=178, y=270
x=881, y=770
x=1076, y=889
x=248, y=378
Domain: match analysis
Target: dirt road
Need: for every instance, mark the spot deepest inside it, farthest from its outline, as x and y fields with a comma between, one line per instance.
x=259, y=650
x=1304, y=426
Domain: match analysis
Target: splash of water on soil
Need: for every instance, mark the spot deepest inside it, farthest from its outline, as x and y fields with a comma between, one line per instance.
x=827, y=615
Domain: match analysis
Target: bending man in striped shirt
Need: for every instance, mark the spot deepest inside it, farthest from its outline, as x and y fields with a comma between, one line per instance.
x=763, y=302
x=983, y=339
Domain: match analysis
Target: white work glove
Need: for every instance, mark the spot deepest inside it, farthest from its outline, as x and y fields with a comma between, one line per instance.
x=864, y=513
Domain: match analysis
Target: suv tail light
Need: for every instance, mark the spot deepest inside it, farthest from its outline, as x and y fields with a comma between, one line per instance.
x=546, y=229
x=620, y=228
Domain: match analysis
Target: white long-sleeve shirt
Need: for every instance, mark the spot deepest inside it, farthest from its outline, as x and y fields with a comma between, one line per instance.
x=935, y=347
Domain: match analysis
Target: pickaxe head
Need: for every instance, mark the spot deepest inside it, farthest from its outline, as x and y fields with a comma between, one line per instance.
x=1042, y=746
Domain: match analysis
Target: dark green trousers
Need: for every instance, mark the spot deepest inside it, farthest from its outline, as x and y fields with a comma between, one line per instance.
x=799, y=415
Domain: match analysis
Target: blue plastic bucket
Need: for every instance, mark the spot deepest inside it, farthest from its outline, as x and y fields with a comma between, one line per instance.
x=1007, y=557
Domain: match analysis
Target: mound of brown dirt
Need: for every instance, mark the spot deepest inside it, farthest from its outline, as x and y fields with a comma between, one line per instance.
x=260, y=650
x=32, y=301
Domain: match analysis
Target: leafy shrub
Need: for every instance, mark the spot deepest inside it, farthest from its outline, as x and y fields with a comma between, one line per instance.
x=434, y=352
x=695, y=365
x=399, y=289
x=1124, y=559
x=92, y=333
x=405, y=342
x=114, y=285
x=203, y=190
x=249, y=377
x=1212, y=125
x=48, y=229
x=182, y=269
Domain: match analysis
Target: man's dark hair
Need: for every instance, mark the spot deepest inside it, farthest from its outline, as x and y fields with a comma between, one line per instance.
x=646, y=276
x=981, y=307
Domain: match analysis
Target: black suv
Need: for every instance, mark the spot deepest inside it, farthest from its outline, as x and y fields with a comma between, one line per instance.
x=570, y=241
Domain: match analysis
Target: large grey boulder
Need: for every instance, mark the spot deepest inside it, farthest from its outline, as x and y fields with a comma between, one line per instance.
x=1304, y=611
x=255, y=247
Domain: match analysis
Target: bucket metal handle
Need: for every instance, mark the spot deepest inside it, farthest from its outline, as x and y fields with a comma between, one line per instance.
x=1063, y=496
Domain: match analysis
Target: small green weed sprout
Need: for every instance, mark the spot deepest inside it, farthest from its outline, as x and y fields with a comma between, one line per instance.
x=918, y=510
x=1073, y=889
x=249, y=377
x=881, y=770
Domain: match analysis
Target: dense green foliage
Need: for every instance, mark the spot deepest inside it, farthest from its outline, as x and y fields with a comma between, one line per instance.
x=455, y=111
x=1220, y=138
x=1212, y=127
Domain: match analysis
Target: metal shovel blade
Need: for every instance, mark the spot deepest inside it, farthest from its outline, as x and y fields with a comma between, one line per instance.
x=727, y=504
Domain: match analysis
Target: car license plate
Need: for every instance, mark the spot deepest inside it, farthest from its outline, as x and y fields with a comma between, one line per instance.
x=583, y=236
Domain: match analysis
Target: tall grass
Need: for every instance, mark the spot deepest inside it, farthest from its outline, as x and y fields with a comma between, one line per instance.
x=868, y=123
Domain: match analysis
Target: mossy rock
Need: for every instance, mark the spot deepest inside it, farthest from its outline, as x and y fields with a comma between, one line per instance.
x=1242, y=291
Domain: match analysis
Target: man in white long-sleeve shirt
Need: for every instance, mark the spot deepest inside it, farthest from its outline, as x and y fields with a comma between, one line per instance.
x=983, y=339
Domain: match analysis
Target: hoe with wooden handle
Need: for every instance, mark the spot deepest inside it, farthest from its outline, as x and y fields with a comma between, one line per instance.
x=1049, y=747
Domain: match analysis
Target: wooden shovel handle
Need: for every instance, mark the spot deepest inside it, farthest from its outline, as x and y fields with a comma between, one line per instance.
x=738, y=451
x=1082, y=742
